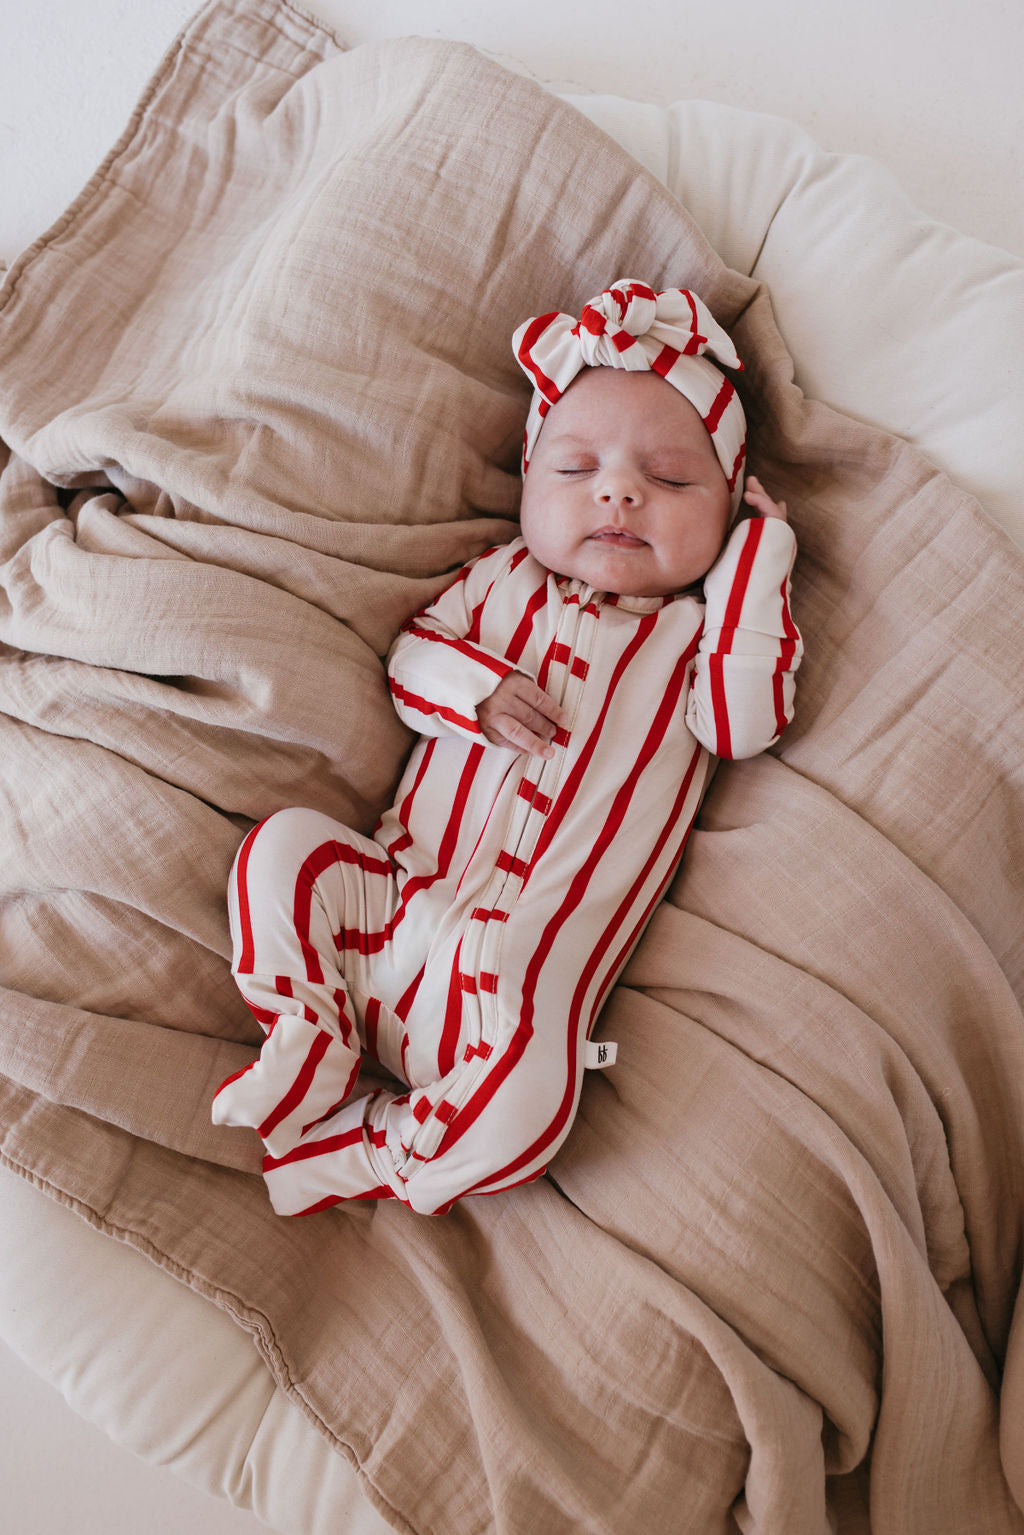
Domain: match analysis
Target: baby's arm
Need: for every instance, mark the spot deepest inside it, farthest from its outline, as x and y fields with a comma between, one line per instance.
x=437, y=669
x=743, y=686
x=445, y=682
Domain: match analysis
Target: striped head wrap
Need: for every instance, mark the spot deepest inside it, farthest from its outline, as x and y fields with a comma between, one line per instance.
x=629, y=326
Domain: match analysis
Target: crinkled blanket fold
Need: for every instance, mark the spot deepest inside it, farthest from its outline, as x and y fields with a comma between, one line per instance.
x=257, y=399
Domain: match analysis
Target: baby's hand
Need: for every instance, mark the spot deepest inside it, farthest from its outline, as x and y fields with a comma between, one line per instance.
x=519, y=714
x=760, y=502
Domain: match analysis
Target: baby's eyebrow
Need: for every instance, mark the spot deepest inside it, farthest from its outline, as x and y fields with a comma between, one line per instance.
x=670, y=458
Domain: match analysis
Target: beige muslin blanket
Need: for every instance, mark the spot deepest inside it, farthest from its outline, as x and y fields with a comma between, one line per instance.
x=256, y=403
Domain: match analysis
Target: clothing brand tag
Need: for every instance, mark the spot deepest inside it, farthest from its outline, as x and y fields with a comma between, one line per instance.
x=599, y=1053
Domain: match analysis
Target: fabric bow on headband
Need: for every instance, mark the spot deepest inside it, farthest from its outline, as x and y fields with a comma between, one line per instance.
x=630, y=326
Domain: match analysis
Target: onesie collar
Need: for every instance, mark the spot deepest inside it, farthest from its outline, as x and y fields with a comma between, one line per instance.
x=640, y=604
x=578, y=591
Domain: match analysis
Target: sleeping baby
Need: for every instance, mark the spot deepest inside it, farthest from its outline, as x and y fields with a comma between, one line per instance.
x=570, y=690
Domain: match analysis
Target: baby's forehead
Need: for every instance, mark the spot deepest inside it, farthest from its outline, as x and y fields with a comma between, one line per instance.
x=609, y=402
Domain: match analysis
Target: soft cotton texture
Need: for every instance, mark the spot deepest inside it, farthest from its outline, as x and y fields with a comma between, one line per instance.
x=787, y=1235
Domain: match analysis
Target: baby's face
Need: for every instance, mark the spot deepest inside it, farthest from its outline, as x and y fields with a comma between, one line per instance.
x=624, y=490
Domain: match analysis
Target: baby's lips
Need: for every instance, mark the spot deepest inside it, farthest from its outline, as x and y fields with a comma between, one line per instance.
x=621, y=536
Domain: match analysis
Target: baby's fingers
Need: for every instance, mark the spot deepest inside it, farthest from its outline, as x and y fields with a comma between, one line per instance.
x=536, y=702
x=508, y=730
x=521, y=715
x=758, y=498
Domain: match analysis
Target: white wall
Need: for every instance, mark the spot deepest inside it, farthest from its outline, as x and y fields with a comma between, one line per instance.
x=930, y=87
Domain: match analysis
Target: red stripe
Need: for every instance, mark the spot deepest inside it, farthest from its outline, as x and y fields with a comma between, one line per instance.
x=730, y=623
x=355, y=939
x=468, y=864
x=737, y=465
x=371, y=1023
x=463, y=647
x=459, y=577
x=264, y=1017
x=408, y=997
x=718, y=409
x=665, y=360
x=404, y=810
x=532, y=335
x=719, y=706
x=284, y=987
x=424, y=706
x=299, y=1088
x=476, y=618
x=538, y=801
x=472, y=634
x=382, y=1191
x=517, y=644
x=563, y=656
x=310, y=1149
x=741, y=580
x=696, y=340
x=246, y=963
x=787, y=650
x=544, y=670
x=234, y=1078
x=452, y=1027
x=337, y=1104
x=319, y=860
x=449, y=840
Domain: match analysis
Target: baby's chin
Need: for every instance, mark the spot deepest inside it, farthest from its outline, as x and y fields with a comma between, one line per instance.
x=632, y=573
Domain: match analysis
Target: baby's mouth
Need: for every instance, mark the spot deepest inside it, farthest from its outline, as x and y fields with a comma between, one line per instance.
x=618, y=538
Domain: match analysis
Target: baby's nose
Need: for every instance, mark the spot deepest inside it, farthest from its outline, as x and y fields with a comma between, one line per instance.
x=617, y=488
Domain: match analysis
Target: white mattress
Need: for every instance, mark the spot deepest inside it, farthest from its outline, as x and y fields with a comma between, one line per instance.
x=889, y=314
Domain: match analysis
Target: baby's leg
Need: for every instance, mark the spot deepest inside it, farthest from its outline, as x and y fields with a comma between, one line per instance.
x=300, y=882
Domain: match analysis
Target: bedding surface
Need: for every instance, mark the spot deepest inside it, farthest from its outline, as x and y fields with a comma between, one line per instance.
x=773, y=1273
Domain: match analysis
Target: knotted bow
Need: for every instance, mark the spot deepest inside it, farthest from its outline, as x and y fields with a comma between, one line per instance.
x=629, y=326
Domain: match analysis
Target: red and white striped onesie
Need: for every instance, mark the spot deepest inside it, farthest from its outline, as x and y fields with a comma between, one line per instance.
x=469, y=945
